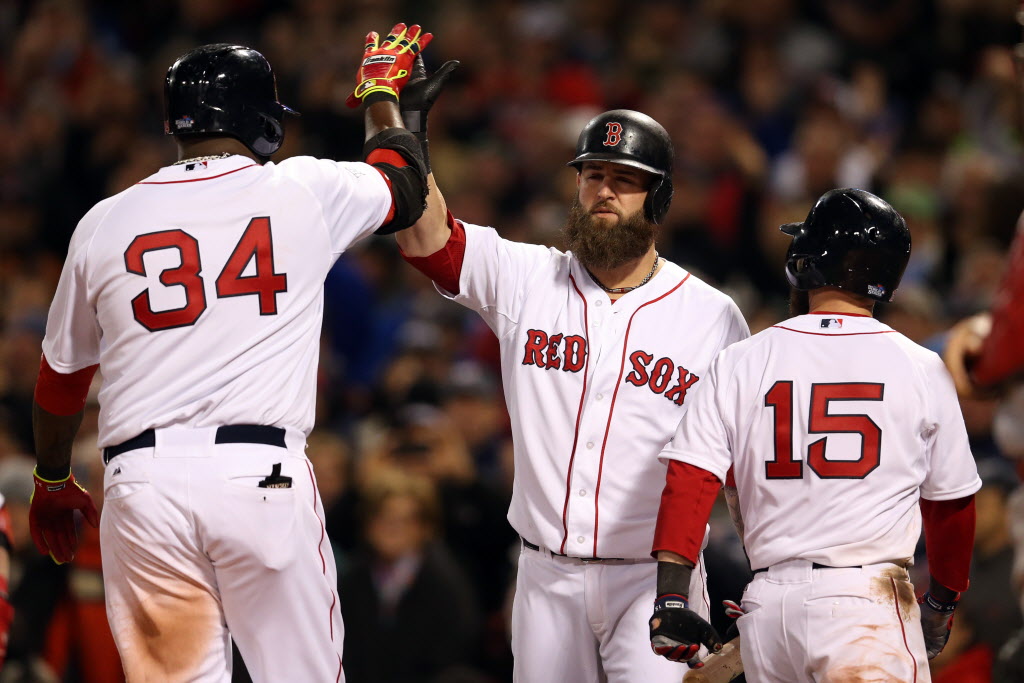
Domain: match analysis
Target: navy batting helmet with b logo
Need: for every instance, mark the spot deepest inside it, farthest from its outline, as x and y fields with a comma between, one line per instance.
x=628, y=137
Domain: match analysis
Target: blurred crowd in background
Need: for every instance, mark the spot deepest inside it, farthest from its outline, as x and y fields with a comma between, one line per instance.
x=769, y=104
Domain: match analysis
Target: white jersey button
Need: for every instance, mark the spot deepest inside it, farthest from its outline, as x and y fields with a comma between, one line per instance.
x=600, y=396
x=599, y=303
x=590, y=444
x=579, y=539
x=583, y=492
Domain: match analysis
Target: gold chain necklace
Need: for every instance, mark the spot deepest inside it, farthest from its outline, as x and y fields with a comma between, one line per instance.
x=194, y=160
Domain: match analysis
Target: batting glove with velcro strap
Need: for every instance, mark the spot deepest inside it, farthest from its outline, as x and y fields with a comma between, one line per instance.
x=51, y=515
x=677, y=632
x=386, y=66
x=419, y=96
x=936, y=622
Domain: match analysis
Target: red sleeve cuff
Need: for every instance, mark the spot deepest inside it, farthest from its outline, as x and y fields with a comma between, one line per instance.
x=62, y=394
x=686, y=504
x=949, y=539
x=444, y=266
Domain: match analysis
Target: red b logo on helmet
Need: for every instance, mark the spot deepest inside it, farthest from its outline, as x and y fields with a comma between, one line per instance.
x=614, y=134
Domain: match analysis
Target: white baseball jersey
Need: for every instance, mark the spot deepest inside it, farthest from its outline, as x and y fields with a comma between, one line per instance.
x=835, y=425
x=594, y=389
x=200, y=291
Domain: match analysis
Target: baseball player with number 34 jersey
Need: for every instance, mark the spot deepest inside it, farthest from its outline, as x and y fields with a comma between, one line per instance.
x=199, y=292
x=601, y=349
x=840, y=434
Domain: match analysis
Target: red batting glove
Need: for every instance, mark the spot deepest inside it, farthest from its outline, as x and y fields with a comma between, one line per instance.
x=386, y=67
x=51, y=516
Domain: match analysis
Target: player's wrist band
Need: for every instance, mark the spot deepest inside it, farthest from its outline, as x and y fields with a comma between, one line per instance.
x=938, y=605
x=380, y=95
x=671, y=601
x=52, y=475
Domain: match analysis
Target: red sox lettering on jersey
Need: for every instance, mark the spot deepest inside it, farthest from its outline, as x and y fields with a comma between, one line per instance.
x=567, y=352
x=599, y=387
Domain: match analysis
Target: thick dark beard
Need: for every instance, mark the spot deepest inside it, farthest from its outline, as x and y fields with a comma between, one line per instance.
x=603, y=247
x=799, y=302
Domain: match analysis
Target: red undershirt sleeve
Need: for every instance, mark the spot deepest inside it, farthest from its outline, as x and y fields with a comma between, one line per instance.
x=444, y=266
x=949, y=539
x=392, y=158
x=686, y=504
x=62, y=394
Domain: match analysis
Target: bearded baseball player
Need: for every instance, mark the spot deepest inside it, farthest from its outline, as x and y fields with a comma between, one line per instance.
x=601, y=347
x=840, y=435
x=199, y=292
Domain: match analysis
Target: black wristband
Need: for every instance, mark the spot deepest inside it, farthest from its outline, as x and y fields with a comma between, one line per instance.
x=379, y=96
x=939, y=605
x=674, y=579
x=53, y=473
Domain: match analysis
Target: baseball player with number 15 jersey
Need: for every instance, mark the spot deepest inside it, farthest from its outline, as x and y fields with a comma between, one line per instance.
x=199, y=292
x=840, y=432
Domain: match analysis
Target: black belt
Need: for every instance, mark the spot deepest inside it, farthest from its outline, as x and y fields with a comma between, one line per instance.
x=271, y=436
x=534, y=546
x=814, y=565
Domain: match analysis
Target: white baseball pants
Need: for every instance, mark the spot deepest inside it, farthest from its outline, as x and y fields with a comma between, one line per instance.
x=578, y=622
x=193, y=549
x=829, y=625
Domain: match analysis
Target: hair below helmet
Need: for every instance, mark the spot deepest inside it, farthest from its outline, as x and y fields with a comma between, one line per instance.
x=628, y=137
x=225, y=90
x=851, y=240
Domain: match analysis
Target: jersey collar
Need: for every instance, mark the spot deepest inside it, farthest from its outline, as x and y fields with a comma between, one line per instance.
x=199, y=170
x=667, y=277
x=823, y=322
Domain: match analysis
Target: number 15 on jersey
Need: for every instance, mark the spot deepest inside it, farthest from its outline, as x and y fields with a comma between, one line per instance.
x=786, y=465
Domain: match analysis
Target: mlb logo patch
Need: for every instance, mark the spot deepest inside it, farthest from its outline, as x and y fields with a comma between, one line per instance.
x=832, y=323
x=201, y=165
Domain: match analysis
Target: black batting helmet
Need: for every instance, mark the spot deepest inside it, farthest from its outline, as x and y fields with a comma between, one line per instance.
x=225, y=90
x=633, y=139
x=852, y=240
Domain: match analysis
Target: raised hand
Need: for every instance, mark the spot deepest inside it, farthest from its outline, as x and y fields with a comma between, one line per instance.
x=421, y=92
x=386, y=66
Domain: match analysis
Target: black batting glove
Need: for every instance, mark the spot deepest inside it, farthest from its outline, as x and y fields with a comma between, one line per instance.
x=677, y=632
x=936, y=622
x=419, y=96
x=421, y=92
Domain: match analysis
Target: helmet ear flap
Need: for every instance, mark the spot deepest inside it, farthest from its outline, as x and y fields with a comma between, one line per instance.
x=803, y=273
x=659, y=198
x=271, y=137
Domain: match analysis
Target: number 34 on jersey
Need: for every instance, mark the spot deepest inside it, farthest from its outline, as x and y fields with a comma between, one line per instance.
x=255, y=245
